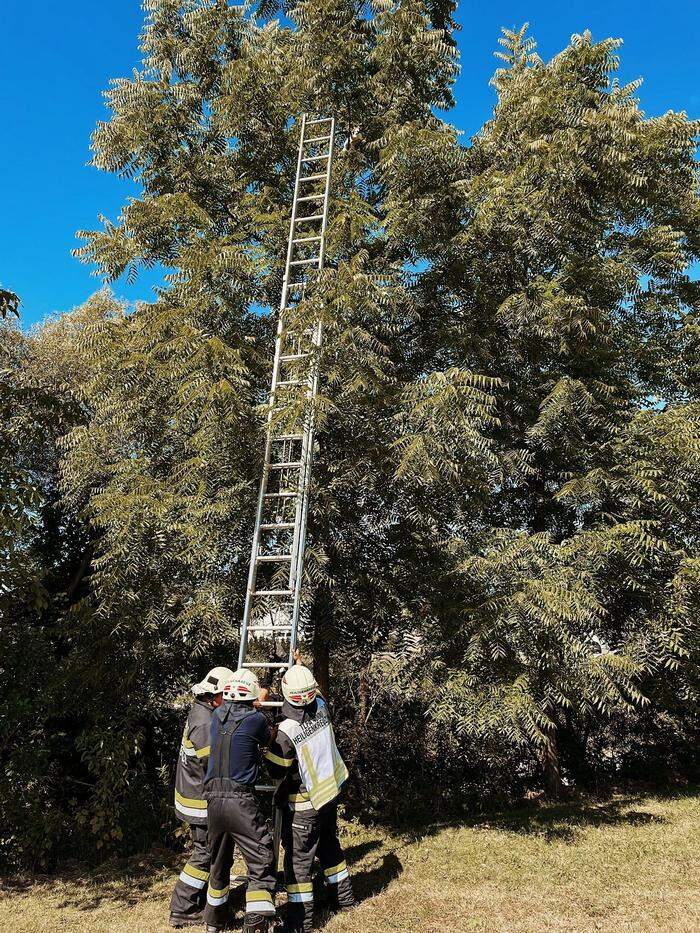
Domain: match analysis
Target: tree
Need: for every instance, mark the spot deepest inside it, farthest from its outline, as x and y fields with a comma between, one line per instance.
x=496, y=317
x=501, y=572
x=44, y=559
x=174, y=447
x=570, y=285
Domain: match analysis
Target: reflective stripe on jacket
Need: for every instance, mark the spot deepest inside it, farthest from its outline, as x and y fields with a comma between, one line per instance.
x=305, y=749
x=190, y=805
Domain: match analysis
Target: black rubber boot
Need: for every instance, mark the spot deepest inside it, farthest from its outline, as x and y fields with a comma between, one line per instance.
x=335, y=904
x=191, y=920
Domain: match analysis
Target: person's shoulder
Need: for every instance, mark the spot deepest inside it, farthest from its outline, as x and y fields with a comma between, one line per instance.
x=257, y=719
x=199, y=713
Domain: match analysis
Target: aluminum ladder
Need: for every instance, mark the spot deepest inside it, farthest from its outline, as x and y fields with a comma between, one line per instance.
x=273, y=597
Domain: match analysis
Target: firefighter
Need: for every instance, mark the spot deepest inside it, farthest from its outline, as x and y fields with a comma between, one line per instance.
x=187, y=902
x=238, y=734
x=304, y=755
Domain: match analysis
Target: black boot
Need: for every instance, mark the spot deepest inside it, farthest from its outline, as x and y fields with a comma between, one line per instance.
x=190, y=920
x=337, y=905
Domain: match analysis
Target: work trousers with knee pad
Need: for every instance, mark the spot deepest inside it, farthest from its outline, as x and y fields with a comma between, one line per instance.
x=305, y=835
x=190, y=891
x=237, y=819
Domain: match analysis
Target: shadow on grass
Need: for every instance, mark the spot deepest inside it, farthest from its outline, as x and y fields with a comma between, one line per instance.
x=367, y=883
x=125, y=881
x=129, y=881
x=564, y=822
x=555, y=822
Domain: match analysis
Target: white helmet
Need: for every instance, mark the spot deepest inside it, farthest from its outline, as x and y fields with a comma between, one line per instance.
x=213, y=682
x=243, y=685
x=299, y=686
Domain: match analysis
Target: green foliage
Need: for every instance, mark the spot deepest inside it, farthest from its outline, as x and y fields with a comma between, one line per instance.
x=9, y=303
x=502, y=568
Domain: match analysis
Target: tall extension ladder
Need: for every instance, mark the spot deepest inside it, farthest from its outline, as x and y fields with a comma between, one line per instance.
x=273, y=598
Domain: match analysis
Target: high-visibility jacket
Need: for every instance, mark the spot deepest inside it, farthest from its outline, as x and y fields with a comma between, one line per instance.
x=305, y=752
x=190, y=805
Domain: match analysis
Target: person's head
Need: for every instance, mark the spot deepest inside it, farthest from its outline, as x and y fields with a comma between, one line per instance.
x=210, y=689
x=299, y=686
x=242, y=687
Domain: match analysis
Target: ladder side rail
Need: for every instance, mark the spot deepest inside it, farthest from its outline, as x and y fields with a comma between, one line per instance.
x=312, y=387
x=253, y=569
x=308, y=442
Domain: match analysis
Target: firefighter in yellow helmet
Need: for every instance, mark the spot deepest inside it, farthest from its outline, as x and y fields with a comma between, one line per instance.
x=304, y=755
x=189, y=896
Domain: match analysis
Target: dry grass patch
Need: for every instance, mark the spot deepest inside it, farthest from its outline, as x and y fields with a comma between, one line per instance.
x=628, y=864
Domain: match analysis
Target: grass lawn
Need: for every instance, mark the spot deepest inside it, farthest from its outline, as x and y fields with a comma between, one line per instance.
x=630, y=863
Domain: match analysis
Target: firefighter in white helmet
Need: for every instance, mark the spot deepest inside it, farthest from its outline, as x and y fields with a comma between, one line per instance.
x=238, y=734
x=187, y=902
x=305, y=756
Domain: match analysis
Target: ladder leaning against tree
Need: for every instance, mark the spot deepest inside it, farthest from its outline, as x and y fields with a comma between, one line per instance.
x=273, y=597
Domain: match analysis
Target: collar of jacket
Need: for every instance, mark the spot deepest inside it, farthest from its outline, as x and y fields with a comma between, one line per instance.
x=204, y=705
x=299, y=713
x=234, y=710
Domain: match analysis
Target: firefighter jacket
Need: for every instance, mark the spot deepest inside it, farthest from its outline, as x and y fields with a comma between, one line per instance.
x=190, y=805
x=305, y=754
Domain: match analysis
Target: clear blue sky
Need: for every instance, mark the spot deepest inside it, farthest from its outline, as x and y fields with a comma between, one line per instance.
x=57, y=59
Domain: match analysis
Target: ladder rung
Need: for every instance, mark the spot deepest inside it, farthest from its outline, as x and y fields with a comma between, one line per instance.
x=312, y=178
x=318, y=139
x=273, y=593
x=286, y=465
x=318, y=158
x=304, y=262
x=289, y=382
x=288, y=437
x=299, y=220
x=263, y=788
x=269, y=628
x=319, y=120
x=312, y=197
x=291, y=285
x=307, y=239
x=291, y=357
x=280, y=526
x=273, y=558
x=271, y=703
x=281, y=495
x=277, y=664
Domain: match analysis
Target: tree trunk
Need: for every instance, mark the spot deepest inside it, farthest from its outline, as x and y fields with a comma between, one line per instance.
x=80, y=573
x=321, y=650
x=321, y=662
x=549, y=760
